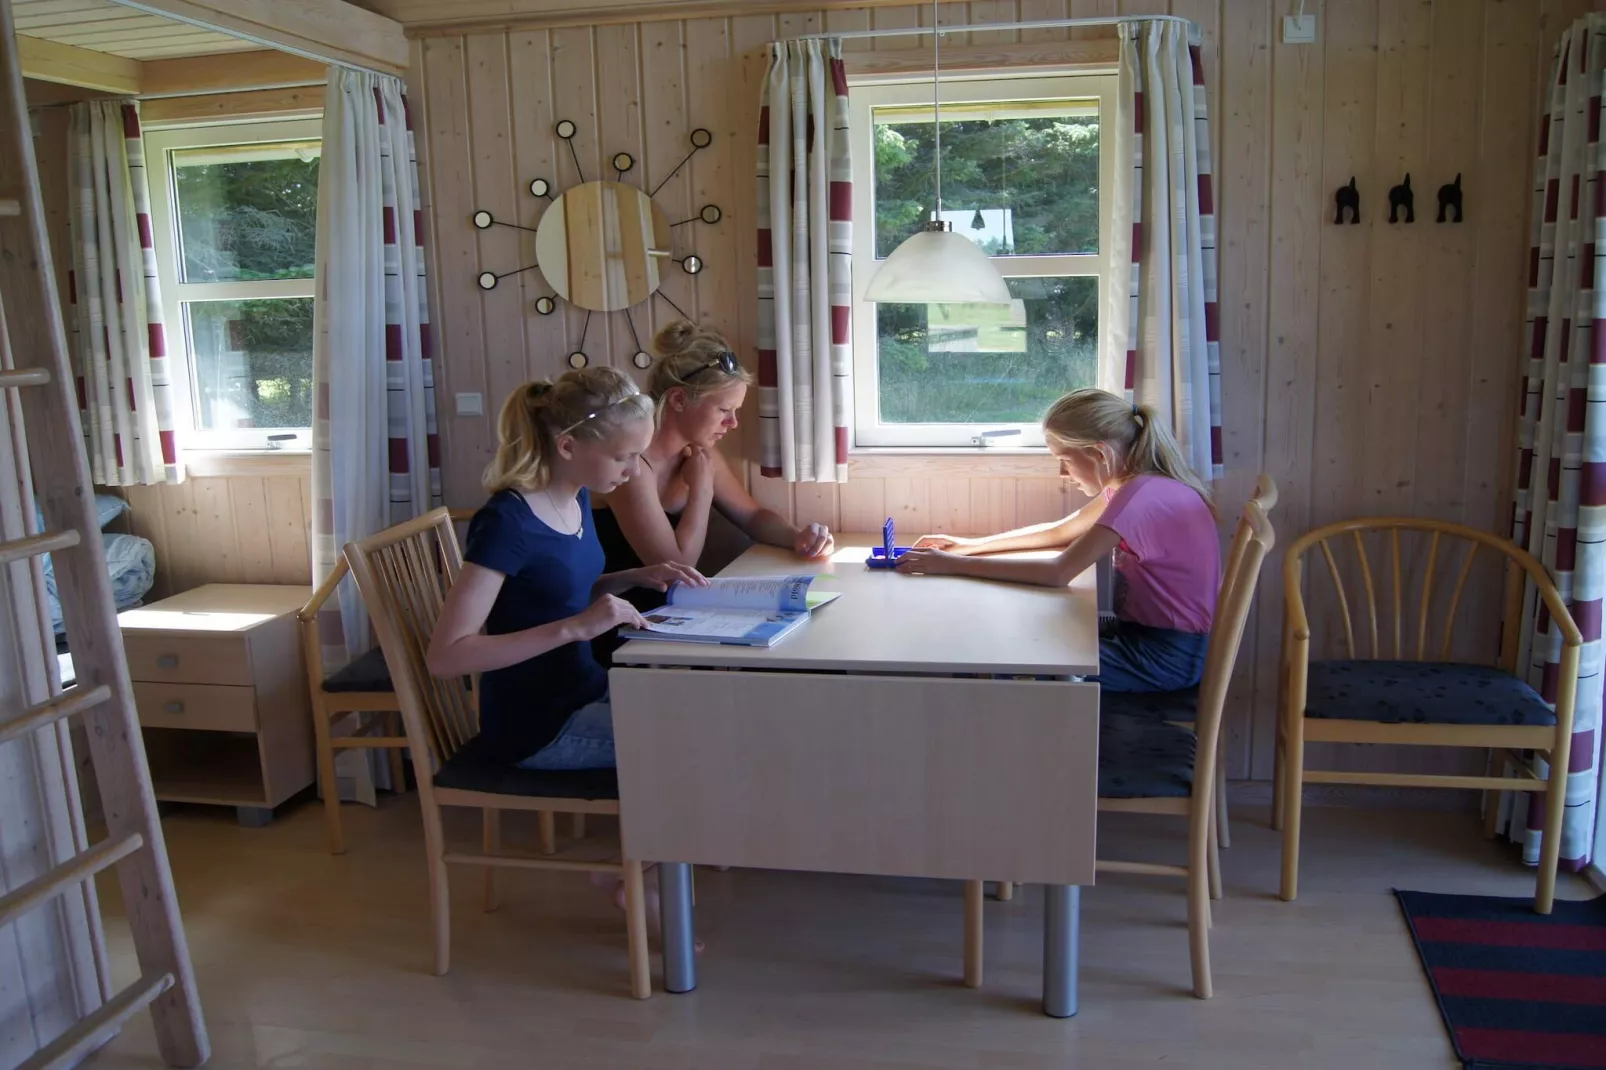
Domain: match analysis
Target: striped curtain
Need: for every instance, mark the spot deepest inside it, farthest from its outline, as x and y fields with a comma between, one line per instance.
x=118, y=344
x=376, y=454
x=805, y=264
x=1160, y=320
x=1559, y=511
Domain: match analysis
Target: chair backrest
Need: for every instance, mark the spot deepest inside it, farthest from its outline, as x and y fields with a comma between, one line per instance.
x=404, y=573
x=1252, y=541
x=1423, y=605
x=307, y=617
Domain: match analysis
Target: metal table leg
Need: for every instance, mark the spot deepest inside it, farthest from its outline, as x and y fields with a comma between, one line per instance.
x=675, y=914
x=1062, y=923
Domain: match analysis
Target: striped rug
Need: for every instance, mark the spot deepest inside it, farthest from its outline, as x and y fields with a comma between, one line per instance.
x=1518, y=990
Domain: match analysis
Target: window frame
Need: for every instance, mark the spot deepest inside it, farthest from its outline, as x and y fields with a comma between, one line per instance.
x=867, y=94
x=160, y=144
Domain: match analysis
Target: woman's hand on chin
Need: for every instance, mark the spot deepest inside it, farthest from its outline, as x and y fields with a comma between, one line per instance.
x=663, y=576
x=814, y=540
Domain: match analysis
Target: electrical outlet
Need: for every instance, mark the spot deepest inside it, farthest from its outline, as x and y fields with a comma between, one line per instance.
x=1299, y=29
x=470, y=405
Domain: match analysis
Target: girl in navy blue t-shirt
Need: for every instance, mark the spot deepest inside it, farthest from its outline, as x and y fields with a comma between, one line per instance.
x=532, y=594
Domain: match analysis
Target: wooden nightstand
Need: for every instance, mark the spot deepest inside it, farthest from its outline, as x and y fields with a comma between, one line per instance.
x=222, y=695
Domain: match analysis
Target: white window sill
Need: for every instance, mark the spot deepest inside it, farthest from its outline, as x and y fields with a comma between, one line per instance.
x=204, y=464
x=913, y=461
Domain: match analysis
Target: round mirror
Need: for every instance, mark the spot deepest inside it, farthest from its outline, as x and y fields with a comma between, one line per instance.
x=565, y=129
x=710, y=214
x=600, y=246
x=643, y=360
x=483, y=220
x=623, y=161
x=487, y=281
x=540, y=187
x=692, y=264
x=545, y=305
x=701, y=138
x=578, y=360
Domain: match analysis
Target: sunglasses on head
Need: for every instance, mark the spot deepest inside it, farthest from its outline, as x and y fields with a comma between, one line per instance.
x=725, y=362
x=641, y=401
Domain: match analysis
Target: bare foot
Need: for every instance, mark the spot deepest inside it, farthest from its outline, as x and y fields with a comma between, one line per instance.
x=654, y=918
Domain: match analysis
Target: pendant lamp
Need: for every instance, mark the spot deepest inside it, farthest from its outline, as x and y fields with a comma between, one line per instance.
x=937, y=266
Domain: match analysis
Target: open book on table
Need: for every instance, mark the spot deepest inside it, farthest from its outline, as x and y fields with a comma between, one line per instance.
x=744, y=611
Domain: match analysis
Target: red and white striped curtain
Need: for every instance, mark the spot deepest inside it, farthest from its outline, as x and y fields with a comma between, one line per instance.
x=1159, y=339
x=1559, y=512
x=805, y=264
x=376, y=454
x=119, y=343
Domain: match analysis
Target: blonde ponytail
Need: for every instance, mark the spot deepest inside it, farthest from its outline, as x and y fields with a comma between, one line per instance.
x=1089, y=417
x=588, y=404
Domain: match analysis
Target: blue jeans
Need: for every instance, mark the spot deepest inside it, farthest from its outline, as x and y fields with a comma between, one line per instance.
x=584, y=742
x=1136, y=657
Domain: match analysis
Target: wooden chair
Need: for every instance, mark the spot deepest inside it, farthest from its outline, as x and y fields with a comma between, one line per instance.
x=1150, y=764
x=1419, y=697
x=404, y=574
x=361, y=687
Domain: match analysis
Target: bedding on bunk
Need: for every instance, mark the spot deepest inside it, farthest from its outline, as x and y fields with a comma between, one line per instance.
x=130, y=560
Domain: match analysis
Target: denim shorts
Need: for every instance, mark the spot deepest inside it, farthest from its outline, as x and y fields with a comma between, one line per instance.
x=584, y=742
x=1136, y=657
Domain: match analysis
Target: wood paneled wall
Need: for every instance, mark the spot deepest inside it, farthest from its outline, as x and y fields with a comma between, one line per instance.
x=1371, y=369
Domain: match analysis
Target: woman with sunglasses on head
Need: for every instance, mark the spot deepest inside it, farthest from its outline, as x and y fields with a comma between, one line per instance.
x=662, y=516
x=534, y=589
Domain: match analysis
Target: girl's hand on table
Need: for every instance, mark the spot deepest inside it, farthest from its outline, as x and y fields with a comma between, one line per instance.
x=815, y=540
x=953, y=544
x=923, y=562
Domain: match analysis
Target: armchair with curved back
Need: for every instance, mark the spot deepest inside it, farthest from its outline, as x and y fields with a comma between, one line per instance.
x=1410, y=691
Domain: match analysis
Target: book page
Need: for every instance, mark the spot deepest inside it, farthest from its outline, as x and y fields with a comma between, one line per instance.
x=715, y=623
x=787, y=593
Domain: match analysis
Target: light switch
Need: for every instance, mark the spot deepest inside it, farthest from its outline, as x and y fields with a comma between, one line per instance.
x=1299, y=29
x=470, y=405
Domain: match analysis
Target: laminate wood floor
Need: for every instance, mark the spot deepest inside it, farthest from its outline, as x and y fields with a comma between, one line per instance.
x=311, y=961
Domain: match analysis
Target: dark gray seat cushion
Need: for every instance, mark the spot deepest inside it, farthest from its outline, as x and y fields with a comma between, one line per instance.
x=1142, y=758
x=367, y=673
x=1421, y=692
x=476, y=768
x=1153, y=705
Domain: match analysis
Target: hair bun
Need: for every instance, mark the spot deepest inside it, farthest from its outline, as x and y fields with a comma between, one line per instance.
x=673, y=338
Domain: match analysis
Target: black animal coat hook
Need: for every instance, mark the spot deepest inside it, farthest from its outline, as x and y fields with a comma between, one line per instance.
x=1402, y=197
x=1450, y=198
x=1348, y=197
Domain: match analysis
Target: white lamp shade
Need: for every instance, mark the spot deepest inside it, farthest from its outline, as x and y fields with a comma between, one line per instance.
x=937, y=267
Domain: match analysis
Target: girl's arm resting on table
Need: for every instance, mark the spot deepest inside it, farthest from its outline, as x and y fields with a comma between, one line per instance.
x=1051, y=535
x=1055, y=572
x=655, y=577
x=457, y=647
x=641, y=518
x=760, y=523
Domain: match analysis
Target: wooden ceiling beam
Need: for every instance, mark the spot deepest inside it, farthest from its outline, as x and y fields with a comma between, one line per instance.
x=229, y=72
x=51, y=61
x=328, y=31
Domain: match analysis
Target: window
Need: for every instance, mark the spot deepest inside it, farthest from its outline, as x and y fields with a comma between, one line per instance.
x=235, y=211
x=1021, y=176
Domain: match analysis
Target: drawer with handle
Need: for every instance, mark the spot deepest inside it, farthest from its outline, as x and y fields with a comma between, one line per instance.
x=209, y=707
x=188, y=660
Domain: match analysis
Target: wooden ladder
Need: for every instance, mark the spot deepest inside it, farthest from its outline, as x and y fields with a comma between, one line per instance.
x=37, y=388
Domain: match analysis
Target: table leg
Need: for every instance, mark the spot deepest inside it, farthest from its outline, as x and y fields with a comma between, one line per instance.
x=1062, y=922
x=675, y=916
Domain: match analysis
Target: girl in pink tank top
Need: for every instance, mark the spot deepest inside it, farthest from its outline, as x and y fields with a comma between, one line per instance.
x=1148, y=508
